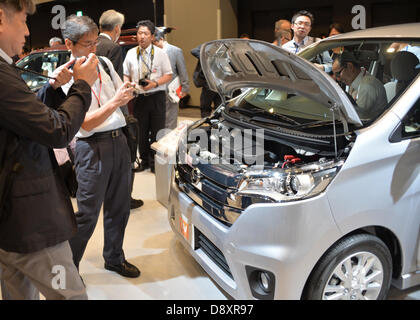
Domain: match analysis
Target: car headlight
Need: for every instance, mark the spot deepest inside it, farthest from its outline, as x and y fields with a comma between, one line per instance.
x=292, y=184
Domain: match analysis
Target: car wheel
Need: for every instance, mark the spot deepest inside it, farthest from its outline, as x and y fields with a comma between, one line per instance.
x=358, y=267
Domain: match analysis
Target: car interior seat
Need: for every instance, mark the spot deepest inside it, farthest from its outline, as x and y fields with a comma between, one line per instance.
x=403, y=70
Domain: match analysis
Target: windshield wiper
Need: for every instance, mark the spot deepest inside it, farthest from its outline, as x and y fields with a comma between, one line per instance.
x=313, y=123
x=305, y=113
x=270, y=121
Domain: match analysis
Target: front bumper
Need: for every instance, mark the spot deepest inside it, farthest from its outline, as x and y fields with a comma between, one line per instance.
x=285, y=239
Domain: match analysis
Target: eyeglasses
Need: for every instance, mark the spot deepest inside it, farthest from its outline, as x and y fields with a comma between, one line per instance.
x=88, y=44
x=338, y=73
x=303, y=24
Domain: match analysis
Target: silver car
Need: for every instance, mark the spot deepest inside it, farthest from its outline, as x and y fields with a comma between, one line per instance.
x=291, y=189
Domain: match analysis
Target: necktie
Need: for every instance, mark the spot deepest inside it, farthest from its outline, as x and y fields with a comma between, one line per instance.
x=144, y=69
x=297, y=47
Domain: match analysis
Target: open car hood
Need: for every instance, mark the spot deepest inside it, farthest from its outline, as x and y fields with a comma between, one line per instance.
x=231, y=64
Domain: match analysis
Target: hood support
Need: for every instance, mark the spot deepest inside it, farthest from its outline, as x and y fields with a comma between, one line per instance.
x=333, y=109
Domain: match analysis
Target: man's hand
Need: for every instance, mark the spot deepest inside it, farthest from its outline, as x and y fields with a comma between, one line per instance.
x=151, y=84
x=62, y=75
x=124, y=94
x=319, y=66
x=86, y=69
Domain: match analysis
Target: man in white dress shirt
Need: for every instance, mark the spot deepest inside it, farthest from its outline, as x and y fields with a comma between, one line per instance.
x=148, y=66
x=102, y=156
x=301, y=25
x=368, y=92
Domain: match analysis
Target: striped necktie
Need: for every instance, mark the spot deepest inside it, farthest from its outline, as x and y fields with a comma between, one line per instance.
x=144, y=69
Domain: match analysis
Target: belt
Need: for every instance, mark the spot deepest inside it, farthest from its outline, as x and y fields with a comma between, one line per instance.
x=149, y=93
x=105, y=134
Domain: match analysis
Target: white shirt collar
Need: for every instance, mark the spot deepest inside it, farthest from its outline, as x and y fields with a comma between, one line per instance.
x=148, y=49
x=106, y=35
x=303, y=43
x=6, y=57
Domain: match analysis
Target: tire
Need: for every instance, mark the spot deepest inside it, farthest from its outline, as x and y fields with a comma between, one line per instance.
x=330, y=278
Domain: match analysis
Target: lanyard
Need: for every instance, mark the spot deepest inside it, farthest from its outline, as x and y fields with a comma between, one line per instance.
x=140, y=57
x=98, y=97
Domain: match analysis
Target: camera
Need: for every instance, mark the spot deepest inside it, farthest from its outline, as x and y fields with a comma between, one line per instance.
x=143, y=82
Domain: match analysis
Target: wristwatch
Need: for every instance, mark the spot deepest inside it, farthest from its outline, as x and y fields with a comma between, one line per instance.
x=157, y=83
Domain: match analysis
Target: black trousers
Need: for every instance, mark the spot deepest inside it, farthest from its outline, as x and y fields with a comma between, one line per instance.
x=208, y=97
x=150, y=112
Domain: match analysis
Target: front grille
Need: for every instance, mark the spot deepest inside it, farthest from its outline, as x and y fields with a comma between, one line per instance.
x=213, y=196
x=201, y=242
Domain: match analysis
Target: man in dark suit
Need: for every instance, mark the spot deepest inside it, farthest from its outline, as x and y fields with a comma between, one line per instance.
x=207, y=96
x=110, y=24
x=36, y=216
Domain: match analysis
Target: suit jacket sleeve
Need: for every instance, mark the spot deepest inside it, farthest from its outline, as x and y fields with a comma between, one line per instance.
x=196, y=52
x=24, y=114
x=51, y=97
x=182, y=71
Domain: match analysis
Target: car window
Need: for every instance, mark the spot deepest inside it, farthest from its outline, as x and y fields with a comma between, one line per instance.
x=411, y=122
x=382, y=84
x=43, y=63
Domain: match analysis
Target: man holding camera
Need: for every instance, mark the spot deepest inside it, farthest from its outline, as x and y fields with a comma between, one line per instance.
x=149, y=67
x=36, y=216
x=102, y=156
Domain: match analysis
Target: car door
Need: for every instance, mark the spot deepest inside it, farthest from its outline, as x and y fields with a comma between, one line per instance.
x=406, y=182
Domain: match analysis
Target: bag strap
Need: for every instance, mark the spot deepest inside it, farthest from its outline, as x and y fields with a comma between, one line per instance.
x=105, y=66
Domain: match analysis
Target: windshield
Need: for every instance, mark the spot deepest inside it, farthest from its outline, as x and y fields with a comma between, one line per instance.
x=373, y=73
x=279, y=110
x=291, y=109
x=43, y=63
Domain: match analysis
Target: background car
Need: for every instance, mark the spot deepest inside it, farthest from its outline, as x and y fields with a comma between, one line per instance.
x=45, y=61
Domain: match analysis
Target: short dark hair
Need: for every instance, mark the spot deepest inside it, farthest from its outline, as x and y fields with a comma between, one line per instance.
x=348, y=56
x=159, y=34
x=337, y=27
x=76, y=27
x=146, y=23
x=303, y=13
x=18, y=5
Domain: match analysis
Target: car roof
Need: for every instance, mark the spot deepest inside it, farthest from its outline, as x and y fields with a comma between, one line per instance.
x=403, y=31
x=60, y=47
